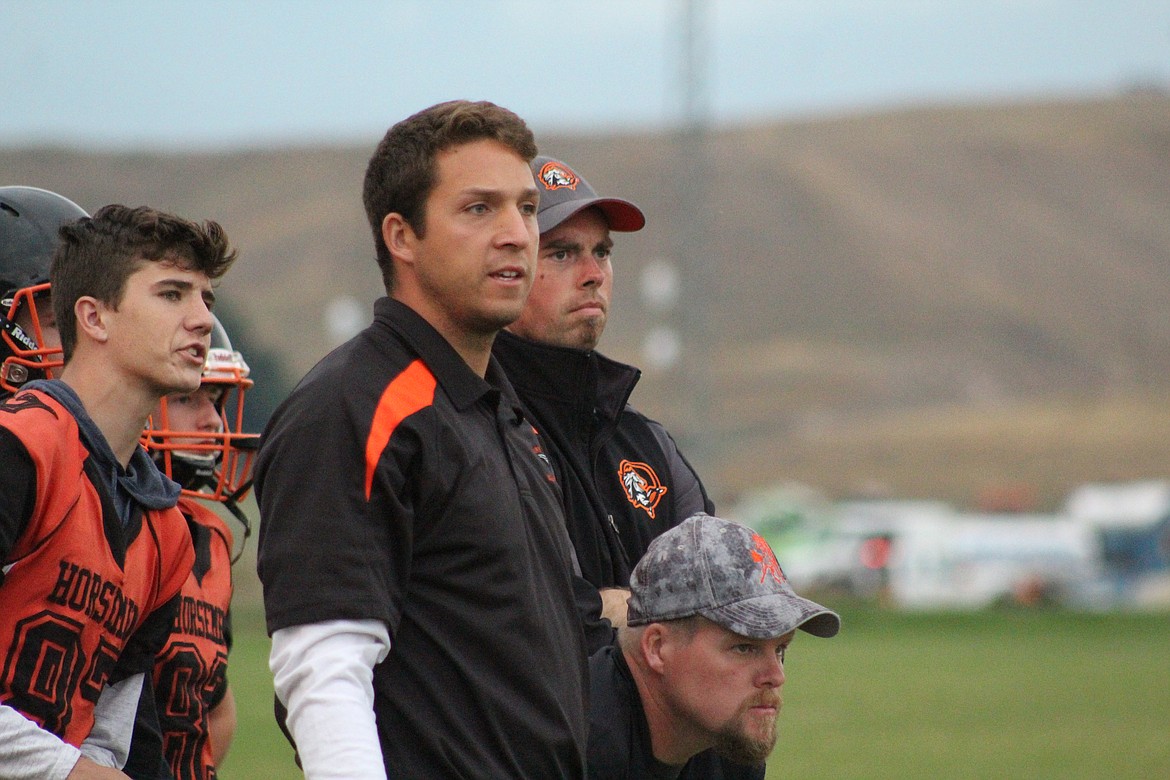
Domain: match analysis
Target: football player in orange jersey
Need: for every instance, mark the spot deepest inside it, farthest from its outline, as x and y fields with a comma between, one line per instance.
x=196, y=439
x=93, y=550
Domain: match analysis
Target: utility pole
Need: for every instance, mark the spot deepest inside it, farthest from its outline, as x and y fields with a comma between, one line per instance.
x=693, y=173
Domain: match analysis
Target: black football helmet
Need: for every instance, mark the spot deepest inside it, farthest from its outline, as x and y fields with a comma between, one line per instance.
x=29, y=220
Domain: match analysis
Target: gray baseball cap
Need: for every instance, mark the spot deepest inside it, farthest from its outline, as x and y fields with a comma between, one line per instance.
x=727, y=573
x=563, y=192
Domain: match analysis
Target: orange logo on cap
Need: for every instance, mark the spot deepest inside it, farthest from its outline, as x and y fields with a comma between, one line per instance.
x=764, y=556
x=555, y=176
x=641, y=484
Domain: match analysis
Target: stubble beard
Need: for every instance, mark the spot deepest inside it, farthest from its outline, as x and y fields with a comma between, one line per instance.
x=490, y=320
x=587, y=337
x=586, y=334
x=735, y=743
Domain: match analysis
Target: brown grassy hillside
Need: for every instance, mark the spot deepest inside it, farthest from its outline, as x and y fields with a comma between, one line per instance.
x=930, y=302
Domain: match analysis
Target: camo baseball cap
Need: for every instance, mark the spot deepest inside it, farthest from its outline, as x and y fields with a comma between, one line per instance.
x=727, y=573
x=563, y=192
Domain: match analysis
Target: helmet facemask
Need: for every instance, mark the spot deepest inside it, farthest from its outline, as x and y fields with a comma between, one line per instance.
x=30, y=220
x=28, y=351
x=211, y=465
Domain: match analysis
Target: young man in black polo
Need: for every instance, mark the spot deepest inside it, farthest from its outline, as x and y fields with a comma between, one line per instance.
x=412, y=548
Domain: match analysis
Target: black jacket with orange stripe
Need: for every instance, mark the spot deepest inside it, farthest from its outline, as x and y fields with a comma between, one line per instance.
x=396, y=484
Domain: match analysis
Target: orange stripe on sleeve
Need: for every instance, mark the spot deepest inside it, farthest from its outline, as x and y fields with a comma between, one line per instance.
x=412, y=390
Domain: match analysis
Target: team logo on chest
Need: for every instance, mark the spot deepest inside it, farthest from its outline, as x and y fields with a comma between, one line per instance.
x=22, y=401
x=539, y=452
x=641, y=485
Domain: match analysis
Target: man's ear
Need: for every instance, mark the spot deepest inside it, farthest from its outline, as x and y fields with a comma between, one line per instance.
x=654, y=645
x=399, y=237
x=91, y=319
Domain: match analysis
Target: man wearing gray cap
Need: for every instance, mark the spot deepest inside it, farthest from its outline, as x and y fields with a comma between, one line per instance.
x=692, y=690
x=623, y=479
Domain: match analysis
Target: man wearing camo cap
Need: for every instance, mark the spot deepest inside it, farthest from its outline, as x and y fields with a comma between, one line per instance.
x=692, y=688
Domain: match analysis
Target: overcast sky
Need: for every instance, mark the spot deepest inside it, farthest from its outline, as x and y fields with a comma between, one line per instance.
x=224, y=73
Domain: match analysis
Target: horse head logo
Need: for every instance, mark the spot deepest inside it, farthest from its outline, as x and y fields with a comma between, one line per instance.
x=642, y=486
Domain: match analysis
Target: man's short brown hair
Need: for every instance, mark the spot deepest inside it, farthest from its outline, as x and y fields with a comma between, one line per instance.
x=401, y=173
x=97, y=254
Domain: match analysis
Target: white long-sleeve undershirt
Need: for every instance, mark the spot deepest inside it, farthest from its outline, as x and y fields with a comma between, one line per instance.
x=323, y=673
x=28, y=752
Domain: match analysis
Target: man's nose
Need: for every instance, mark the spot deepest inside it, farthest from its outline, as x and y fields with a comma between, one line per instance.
x=517, y=229
x=592, y=274
x=208, y=418
x=772, y=675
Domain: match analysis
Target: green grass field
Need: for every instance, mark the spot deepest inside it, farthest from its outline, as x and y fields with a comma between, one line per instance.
x=979, y=695
x=1002, y=694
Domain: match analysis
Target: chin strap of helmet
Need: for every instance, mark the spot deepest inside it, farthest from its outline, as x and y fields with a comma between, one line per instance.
x=232, y=504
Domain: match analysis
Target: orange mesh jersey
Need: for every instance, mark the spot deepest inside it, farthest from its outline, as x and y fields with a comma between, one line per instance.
x=190, y=675
x=79, y=588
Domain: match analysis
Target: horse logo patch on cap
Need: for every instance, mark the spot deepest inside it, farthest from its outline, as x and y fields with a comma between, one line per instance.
x=763, y=555
x=555, y=176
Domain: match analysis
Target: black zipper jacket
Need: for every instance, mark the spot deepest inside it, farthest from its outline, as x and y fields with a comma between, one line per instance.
x=623, y=478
